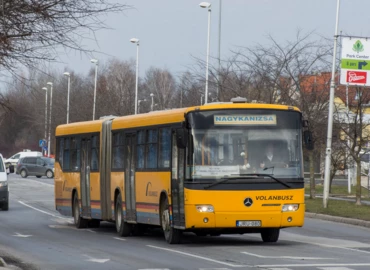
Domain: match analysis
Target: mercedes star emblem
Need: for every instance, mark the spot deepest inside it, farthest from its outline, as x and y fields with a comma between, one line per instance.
x=248, y=202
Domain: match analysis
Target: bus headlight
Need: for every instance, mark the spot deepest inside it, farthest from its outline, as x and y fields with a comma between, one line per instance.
x=290, y=207
x=205, y=208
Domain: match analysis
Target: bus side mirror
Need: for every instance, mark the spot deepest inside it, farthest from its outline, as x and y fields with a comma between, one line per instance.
x=308, y=140
x=181, y=137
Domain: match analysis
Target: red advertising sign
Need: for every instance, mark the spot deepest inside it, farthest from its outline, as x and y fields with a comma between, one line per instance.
x=356, y=77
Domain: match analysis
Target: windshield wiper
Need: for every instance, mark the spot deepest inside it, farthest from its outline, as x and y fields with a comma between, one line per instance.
x=223, y=180
x=243, y=176
x=268, y=175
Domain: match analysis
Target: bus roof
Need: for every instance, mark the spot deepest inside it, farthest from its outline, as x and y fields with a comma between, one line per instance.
x=79, y=127
x=178, y=115
x=159, y=117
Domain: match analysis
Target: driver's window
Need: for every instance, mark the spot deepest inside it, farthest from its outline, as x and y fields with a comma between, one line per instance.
x=16, y=156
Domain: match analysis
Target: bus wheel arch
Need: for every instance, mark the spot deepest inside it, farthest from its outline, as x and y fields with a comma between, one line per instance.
x=79, y=221
x=171, y=234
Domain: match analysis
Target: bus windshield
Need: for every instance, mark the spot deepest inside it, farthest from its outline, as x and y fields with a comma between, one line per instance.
x=244, y=142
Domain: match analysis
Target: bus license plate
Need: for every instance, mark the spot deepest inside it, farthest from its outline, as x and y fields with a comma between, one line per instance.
x=248, y=223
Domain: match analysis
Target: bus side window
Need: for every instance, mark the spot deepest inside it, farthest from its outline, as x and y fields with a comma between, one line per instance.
x=66, y=154
x=94, y=153
x=164, y=147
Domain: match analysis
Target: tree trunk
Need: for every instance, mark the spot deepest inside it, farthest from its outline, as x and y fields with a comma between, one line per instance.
x=312, y=176
x=358, y=184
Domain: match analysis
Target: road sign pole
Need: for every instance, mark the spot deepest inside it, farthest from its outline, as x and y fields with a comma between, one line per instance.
x=330, y=116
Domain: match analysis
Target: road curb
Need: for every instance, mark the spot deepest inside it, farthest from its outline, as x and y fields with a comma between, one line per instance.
x=351, y=221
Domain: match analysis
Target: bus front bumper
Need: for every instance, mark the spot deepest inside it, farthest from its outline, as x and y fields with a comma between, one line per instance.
x=221, y=220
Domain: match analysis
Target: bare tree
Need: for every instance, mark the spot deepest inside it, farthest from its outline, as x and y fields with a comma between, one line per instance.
x=30, y=31
x=161, y=83
x=354, y=130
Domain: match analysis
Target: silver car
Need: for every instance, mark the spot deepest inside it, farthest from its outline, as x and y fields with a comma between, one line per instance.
x=36, y=166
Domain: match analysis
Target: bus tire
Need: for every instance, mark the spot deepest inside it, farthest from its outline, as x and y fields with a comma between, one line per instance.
x=79, y=221
x=172, y=235
x=5, y=206
x=122, y=227
x=270, y=235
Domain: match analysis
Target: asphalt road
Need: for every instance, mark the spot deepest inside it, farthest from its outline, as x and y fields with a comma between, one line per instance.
x=34, y=236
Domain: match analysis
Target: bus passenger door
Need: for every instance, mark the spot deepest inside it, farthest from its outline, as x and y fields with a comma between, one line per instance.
x=177, y=184
x=85, y=177
x=130, y=142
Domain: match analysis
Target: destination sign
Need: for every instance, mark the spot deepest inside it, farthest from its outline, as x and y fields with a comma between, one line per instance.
x=240, y=120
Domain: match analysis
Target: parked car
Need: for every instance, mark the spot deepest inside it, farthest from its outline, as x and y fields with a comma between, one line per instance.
x=13, y=160
x=4, y=189
x=36, y=166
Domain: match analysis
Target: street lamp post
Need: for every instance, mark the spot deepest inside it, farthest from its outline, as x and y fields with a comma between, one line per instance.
x=330, y=116
x=51, y=106
x=69, y=88
x=219, y=51
x=152, y=96
x=46, y=112
x=135, y=40
x=207, y=5
x=139, y=101
x=95, y=61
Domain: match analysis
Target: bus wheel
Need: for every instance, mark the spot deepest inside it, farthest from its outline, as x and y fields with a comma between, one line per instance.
x=79, y=221
x=172, y=235
x=270, y=235
x=122, y=227
x=5, y=206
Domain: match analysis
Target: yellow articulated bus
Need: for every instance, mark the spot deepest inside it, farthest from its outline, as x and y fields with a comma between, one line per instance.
x=201, y=169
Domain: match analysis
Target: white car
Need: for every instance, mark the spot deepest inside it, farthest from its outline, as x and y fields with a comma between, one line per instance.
x=4, y=189
x=13, y=160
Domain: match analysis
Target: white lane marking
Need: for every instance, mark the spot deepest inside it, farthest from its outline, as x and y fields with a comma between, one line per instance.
x=62, y=227
x=22, y=235
x=64, y=222
x=214, y=269
x=42, y=211
x=279, y=268
x=34, y=181
x=197, y=256
x=346, y=248
x=92, y=259
x=118, y=238
x=312, y=265
x=90, y=231
x=335, y=268
x=285, y=257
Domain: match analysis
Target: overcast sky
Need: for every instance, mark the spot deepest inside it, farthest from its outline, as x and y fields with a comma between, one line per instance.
x=172, y=31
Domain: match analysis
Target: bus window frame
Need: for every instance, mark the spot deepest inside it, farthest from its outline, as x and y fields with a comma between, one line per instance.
x=78, y=136
x=172, y=127
x=122, y=135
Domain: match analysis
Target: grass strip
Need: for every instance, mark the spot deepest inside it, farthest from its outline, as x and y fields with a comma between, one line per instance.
x=338, y=208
